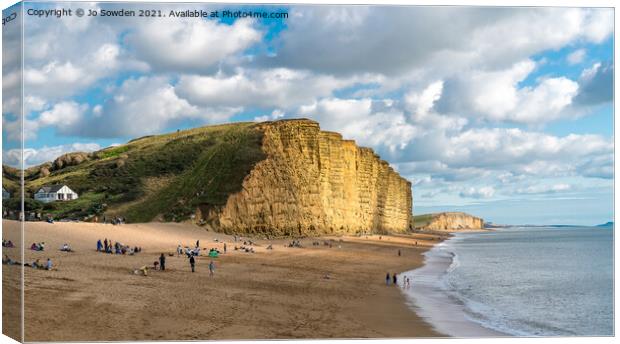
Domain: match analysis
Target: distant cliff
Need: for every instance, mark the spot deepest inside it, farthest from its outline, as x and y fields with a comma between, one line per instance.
x=276, y=178
x=447, y=221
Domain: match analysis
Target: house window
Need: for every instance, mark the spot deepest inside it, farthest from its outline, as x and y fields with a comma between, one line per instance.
x=69, y=197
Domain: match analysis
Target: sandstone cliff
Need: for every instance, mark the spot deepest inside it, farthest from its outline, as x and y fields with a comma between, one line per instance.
x=448, y=221
x=314, y=182
x=273, y=178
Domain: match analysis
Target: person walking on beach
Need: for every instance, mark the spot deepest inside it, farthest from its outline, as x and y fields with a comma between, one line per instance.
x=395, y=279
x=192, y=262
x=399, y=253
x=211, y=268
x=387, y=279
x=162, y=262
x=99, y=245
x=179, y=250
x=197, y=243
x=224, y=247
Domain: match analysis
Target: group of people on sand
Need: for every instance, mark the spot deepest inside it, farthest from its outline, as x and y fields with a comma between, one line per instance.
x=38, y=246
x=246, y=249
x=295, y=243
x=325, y=243
x=7, y=243
x=115, y=221
x=35, y=265
x=118, y=248
x=189, y=252
x=8, y=261
x=38, y=265
x=160, y=264
x=394, y=279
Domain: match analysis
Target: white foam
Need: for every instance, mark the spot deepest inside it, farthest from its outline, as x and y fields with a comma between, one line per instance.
x=429, y=297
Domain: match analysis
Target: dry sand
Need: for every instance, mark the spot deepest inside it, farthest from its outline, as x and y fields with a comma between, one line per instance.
x=279, y=293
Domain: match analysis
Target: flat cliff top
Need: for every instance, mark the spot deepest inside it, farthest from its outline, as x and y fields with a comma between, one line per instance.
x=425, y=220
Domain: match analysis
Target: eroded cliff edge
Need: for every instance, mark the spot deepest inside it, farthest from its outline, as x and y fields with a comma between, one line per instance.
x=448, y=221
x=314, y=182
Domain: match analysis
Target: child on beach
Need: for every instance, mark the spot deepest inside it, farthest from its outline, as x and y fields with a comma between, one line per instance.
x=192, y=262
x=211, y=268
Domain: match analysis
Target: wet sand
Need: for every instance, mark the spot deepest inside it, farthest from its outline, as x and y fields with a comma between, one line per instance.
x=271, y=294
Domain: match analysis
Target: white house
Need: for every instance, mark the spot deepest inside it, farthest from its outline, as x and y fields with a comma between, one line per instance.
x=55, y=193
x=5, y=194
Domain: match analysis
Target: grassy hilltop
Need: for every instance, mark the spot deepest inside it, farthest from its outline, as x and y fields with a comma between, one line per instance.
x=164, y=176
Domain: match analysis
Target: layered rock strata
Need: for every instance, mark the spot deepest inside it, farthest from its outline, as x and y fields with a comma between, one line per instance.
x=314, y=182
x=454, y=221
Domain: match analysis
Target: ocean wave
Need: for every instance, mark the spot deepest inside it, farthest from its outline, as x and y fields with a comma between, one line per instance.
x=429, y=297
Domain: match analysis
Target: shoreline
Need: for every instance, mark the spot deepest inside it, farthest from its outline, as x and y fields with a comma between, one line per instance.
x=446, y=314
x=272, y=294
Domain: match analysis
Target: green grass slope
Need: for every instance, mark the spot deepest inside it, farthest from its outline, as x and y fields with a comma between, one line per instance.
x=164, y=176
x=422, y=220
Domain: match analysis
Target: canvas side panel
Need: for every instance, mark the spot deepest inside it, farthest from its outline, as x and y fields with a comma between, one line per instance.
x=12, y=173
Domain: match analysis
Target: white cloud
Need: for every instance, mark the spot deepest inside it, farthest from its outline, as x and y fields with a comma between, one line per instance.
x=544, y=102
x=146, y=105
x=598, y=24
x=276, y=114
x=280, y=87
x=496, y=96
x=503, y=147
x=56, y=79
x=420, y=104
x=544, y=189
x=38, y=156
x=63, y=114
x=482, y=192
x=576, y=56
x=357, y=119
x=392, y=41
x=190, y=44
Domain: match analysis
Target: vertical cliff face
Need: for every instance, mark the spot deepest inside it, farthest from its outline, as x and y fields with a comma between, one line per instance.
x=314, y=182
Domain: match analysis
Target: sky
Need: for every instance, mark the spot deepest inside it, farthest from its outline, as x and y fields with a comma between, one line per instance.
x=506, y=113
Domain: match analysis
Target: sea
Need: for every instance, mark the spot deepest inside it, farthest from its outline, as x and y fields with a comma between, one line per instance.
x=518, y=281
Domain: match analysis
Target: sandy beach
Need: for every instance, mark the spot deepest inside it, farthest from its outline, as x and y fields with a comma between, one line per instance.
x=276, y=294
